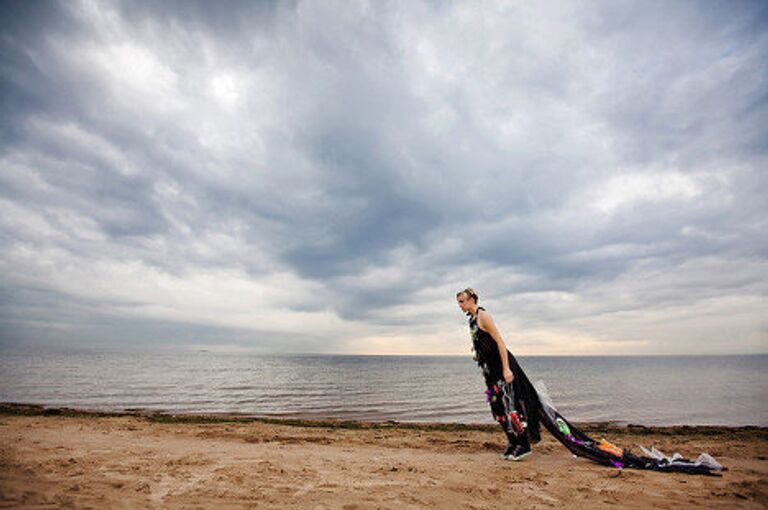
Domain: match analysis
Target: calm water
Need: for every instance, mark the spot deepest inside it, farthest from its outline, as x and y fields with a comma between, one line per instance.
x=652, y=390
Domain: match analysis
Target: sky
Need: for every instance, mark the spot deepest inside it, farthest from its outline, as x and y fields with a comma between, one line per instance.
x=324, y=176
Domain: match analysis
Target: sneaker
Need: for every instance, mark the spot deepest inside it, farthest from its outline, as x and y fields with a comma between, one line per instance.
x=509, y=451
x=519, y=453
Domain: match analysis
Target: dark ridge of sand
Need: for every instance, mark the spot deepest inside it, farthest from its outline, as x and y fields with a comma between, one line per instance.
x=20, y=409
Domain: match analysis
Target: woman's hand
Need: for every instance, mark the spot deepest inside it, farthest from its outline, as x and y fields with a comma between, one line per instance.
x=508, y=375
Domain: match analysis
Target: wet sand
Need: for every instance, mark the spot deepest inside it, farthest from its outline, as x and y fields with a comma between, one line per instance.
x=60, y=458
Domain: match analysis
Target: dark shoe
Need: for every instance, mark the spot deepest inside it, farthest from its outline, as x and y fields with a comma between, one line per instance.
x=509, y=451
x=520, y=452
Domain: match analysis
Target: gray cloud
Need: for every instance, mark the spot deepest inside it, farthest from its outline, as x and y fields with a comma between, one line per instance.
x=318, y=175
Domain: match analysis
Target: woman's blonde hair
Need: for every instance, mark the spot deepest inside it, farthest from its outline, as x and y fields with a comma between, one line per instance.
x=469, y=292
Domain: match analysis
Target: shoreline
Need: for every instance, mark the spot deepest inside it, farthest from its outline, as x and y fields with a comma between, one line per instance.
x=63, y=457
x=168, y=416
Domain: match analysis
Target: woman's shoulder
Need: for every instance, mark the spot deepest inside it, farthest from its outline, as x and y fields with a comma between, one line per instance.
x=483, y=316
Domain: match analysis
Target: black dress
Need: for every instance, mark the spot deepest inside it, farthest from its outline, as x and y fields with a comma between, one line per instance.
x=538, y=413
x=526, y=400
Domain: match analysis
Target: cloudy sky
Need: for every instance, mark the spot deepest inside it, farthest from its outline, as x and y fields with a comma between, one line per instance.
x=324, y=176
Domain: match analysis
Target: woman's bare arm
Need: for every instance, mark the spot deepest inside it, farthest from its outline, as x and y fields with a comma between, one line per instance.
x=485, y=321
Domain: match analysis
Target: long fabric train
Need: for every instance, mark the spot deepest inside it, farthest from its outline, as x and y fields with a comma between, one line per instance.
x=533, y=402
x=603, y=452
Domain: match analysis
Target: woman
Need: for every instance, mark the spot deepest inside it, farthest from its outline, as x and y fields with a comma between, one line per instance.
x=514, y=402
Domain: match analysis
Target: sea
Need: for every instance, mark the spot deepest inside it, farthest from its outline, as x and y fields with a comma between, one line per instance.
x=647, y=390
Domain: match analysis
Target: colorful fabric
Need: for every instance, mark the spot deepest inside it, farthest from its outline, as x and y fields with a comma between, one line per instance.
x=501, y=398
x=606, y=453
x=520, y=408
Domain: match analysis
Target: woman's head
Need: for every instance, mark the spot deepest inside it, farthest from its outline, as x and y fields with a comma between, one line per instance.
x=466, y=298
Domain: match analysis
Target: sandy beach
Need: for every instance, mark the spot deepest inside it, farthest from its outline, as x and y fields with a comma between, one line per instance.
x=61, y=458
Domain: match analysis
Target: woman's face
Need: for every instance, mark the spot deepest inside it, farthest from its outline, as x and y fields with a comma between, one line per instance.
x=464, y=302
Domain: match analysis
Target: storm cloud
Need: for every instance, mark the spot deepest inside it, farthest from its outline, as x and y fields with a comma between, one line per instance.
x=325, y=176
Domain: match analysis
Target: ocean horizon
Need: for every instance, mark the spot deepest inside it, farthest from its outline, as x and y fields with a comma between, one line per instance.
x=699, y=389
